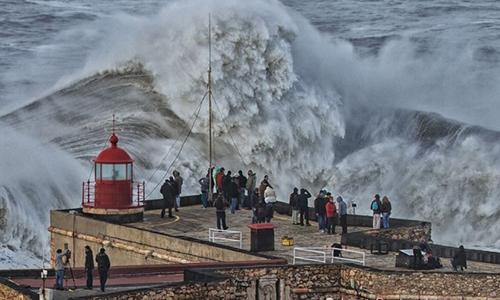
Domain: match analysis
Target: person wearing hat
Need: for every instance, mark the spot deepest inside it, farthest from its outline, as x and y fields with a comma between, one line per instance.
x=103, y=265
x=89, y=267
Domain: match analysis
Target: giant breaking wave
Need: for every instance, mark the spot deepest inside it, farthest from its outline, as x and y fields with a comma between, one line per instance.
x=280, y=110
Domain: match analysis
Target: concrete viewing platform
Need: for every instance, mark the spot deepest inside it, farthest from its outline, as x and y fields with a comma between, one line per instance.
x=194, y=222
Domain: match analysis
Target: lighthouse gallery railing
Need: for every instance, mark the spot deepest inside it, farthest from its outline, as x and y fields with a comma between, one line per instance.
x=137, y=191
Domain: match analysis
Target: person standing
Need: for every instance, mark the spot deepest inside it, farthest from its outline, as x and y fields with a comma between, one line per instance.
x=250, y=186
x=269, y=199
x=226, y=181
x=242, y=182
x=263, y=185
x=232, y=193
x=330, y=214
x=386, y=211
x=175, y=191
x=89, y=267
x=59, y=268
x=320, y=210
x=219, y=178
x=304, y=209
x=342, y=209
x=180, y=181
x=255, y=202
x=168, y=198
x=261, y=211
x=459, y=259
x=294, y=205
x=220, y=211
x=375, y=206
x=204, y=182
x=103, y=265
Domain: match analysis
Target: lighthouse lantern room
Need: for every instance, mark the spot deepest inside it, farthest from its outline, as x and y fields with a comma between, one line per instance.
x=114, y=196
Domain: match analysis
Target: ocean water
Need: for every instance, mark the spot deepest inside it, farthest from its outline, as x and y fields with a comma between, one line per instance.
x=361, y=97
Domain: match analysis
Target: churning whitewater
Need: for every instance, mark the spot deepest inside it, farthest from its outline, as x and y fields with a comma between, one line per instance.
x=290, y=101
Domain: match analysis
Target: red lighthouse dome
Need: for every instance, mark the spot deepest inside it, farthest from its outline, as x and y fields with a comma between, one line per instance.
x=112, y=194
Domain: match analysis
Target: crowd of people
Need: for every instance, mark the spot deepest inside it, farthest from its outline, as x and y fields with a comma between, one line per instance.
x=62, y=262
x=242, y=191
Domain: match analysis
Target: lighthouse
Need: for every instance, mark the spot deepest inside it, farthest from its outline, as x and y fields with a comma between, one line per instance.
x=114, y=196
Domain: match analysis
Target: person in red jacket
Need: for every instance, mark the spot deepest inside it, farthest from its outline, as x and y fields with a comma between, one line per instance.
x=331, y=210
x=218, y=179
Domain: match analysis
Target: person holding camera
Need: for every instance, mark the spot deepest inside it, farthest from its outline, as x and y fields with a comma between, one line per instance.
x=60, y=259
x=89, y=266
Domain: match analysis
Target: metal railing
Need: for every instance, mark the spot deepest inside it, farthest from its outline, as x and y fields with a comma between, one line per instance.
x=215, y=234
x=324, y=255
x=137, y=190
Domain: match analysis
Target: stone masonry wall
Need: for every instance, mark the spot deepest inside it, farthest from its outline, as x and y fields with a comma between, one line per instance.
x=7, y=292
x=410, y=233
x=404, y=285
x=320, y=282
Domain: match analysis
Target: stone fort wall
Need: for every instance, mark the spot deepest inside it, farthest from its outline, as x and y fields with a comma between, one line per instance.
x=320, y=282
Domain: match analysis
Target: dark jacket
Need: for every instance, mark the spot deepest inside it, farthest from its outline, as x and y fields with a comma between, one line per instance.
x=103, y=263
x=168, y=194
x=89, y=260
x=320, y=205
x=304, y=195
x=269, y=210
x=294, y=201
x=226, y=182
x=242, y=181
x=261, y=211
x=460, y=258
x=255, y=199
x=220, y=204
x=386, y=207
x=175, y=188
x=233, y=190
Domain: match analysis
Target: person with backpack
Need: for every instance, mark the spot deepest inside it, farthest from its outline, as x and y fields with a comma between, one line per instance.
x=376, y=206
x=331, y=210
x=220, y=211
x=294, y=205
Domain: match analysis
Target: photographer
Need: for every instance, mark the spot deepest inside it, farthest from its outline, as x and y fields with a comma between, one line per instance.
x=60, y=259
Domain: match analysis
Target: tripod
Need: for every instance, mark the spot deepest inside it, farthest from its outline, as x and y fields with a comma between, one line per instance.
x=72, y=277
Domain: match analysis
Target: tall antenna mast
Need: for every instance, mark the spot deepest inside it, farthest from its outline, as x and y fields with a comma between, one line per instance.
x=210, y=187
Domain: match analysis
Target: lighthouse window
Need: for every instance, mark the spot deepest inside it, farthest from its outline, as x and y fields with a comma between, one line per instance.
x=107, y=172
x=113, y=171
x=120, y=172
